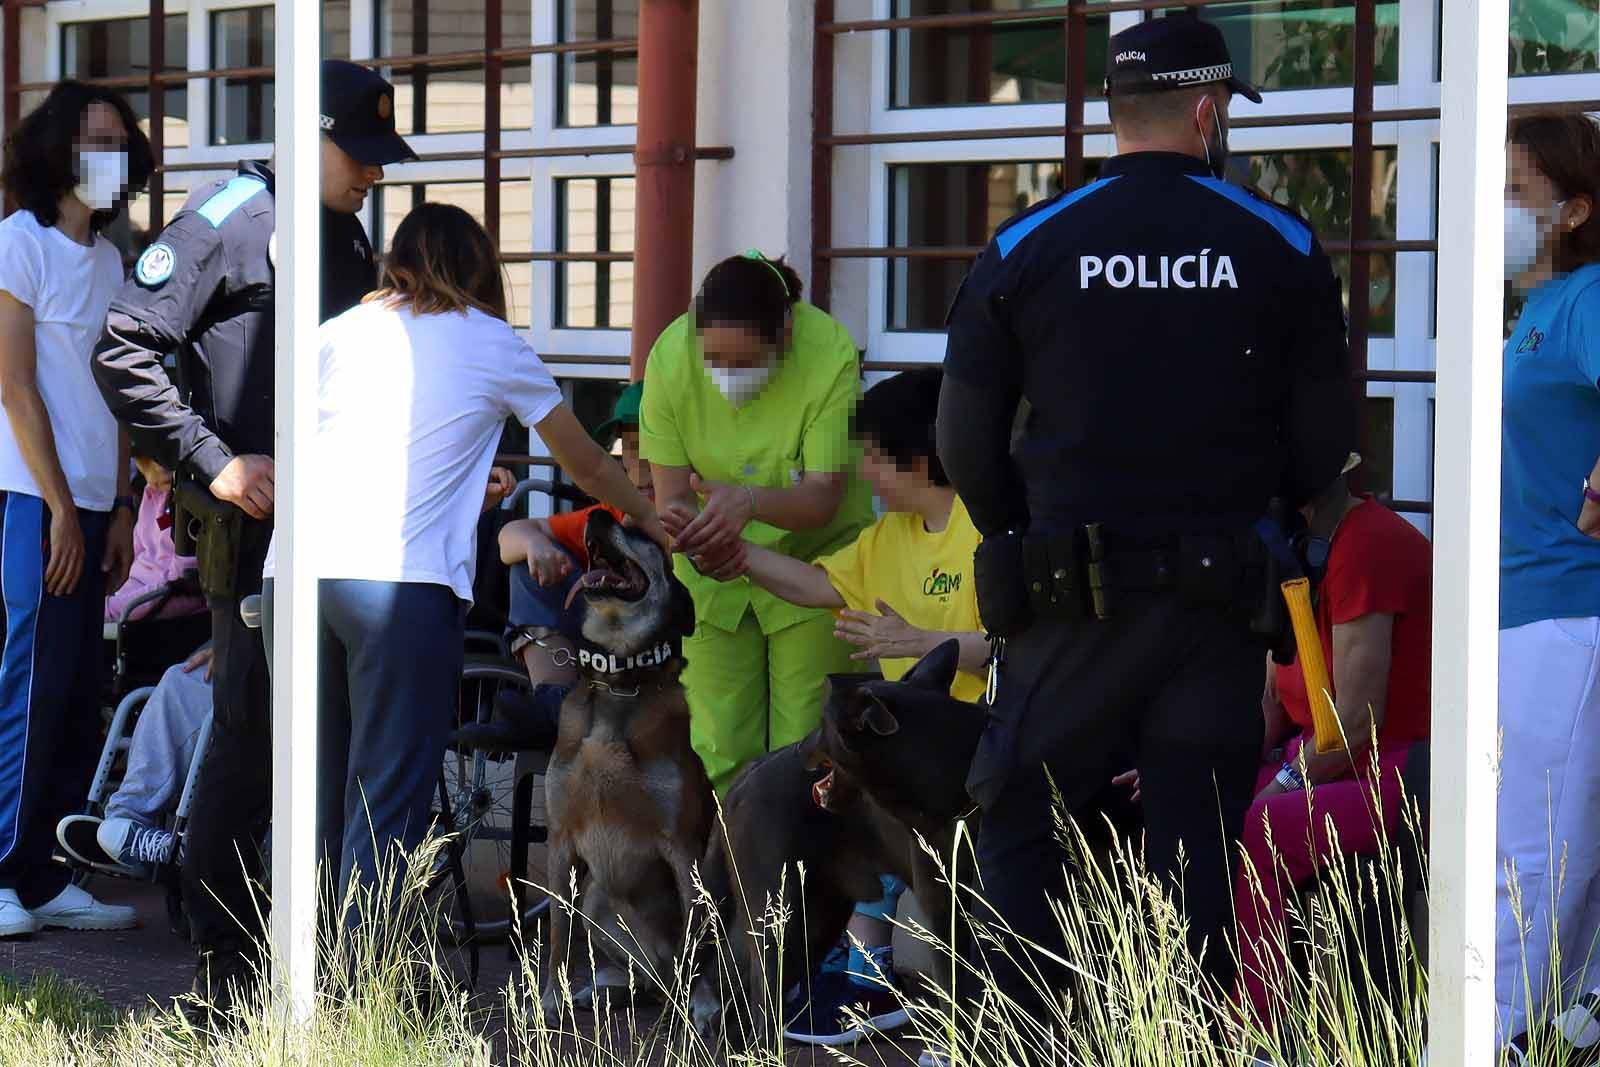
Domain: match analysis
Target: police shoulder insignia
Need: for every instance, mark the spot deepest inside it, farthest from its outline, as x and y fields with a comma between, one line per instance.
x=156, y=264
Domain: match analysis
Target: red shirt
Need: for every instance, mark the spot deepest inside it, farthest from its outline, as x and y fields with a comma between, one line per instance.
x=1378, y=564
x=567, y=528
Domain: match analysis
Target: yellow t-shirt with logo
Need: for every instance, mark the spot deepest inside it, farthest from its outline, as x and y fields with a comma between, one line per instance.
x=925, y=577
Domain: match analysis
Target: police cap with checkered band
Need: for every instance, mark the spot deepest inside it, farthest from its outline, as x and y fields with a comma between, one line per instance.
x=358, y=114
x=1176, y=52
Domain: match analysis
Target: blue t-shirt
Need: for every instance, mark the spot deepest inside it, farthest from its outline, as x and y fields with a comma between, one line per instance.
x=1551, y=426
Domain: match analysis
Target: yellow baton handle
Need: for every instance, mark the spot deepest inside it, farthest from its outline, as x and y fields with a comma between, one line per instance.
x=1308, y=643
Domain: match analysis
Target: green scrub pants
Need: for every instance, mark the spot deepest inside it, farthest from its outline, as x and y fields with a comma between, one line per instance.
x=752, y=692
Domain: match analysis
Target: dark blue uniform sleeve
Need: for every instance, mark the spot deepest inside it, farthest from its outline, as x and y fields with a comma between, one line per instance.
x=1320, y=420
x=983, y=382
x=158, y=310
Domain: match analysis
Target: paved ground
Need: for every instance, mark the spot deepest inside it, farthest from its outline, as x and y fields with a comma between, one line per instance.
x=139, y=968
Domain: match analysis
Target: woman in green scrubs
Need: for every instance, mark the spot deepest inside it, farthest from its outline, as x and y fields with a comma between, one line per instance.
x=746, y=424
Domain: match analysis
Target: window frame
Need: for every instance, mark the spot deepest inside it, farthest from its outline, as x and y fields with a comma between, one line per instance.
x=1400, y=367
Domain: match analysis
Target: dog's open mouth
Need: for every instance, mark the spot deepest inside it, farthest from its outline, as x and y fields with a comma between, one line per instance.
x=612, y=574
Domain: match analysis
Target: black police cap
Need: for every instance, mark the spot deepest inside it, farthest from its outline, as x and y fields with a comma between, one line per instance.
x=358, y=114
x=1176, y=52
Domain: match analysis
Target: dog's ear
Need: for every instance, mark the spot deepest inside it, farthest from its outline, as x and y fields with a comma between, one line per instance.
x=871, y=713
x=937, y=670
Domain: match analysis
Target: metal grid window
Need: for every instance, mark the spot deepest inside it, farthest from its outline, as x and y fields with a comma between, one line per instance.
x=521, y=111
x=938, y=119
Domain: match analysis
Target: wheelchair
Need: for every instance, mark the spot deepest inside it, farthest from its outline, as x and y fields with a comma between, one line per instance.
x=139, y=652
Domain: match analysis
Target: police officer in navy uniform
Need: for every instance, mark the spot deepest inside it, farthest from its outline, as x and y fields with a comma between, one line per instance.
x=203, y=293
x=1180, y=342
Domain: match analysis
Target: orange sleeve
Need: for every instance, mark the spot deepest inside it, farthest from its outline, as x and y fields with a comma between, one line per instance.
x=568, y=527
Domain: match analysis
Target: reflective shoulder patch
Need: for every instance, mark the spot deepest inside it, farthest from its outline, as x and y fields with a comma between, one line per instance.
x=1290, y=228
x=155, y=264
x=227, y=200
x=1009, y=238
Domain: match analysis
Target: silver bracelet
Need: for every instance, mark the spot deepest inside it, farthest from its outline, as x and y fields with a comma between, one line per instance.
x=750, y=489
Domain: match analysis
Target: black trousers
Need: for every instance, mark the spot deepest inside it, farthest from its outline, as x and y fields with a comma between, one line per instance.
x=1170, y=688
x=232, y=804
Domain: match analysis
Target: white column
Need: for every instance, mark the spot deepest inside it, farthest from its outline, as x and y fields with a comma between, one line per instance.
x=294, y=679
x=1467, y=534
x=754, y=94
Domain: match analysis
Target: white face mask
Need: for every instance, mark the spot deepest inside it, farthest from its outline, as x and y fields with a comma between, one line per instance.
x=740, y=384
x=1525, y=231
x=102, y=176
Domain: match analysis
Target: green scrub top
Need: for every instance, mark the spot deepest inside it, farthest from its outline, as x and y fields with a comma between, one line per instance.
x=799, y=423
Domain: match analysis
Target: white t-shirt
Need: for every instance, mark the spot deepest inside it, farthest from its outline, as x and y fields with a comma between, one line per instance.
x=69, y=287
x=411, y=411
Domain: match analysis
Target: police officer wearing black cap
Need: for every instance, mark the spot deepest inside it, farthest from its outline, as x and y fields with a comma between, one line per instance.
x=203, y=293
x=1181, y=344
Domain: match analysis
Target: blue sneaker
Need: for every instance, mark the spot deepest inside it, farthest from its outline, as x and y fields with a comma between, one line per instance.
x=825, y=1019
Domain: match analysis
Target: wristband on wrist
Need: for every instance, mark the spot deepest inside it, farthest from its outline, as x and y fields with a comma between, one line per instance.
x=124, y=502
x=751, y=492
x=1289, y=778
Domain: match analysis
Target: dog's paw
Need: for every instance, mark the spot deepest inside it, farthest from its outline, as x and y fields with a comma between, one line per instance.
x=705, y=1011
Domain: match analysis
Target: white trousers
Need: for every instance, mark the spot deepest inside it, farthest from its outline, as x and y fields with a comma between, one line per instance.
x=1549, y=820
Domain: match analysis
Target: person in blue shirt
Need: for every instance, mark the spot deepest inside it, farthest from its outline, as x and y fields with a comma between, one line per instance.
x=1548, y=869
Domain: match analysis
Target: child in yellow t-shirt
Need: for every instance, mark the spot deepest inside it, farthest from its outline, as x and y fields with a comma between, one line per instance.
x=905, y=585
x=902, y=588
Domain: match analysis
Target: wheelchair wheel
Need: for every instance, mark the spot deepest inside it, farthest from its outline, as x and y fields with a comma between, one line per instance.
x=479, y=788
x=447, y=904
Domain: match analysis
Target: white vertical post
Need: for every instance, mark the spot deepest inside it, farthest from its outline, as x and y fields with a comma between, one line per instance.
x=294, y=679
x=1466, y=587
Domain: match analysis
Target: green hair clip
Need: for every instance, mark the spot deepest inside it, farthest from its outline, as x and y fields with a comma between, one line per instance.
x=756, y=255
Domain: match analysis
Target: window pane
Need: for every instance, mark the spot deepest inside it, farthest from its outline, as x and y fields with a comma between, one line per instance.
x=336, y=29
x=1305, y=44
x=594, y=215
x=934, y=205
x=1316, y=184
x=438, y=100
x=1011, y=63
x=601, y=88
x=242, y=109
x=1554, y=36
x=120, y=48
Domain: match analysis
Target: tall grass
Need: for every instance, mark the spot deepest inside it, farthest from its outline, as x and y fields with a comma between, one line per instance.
x=1134, y=997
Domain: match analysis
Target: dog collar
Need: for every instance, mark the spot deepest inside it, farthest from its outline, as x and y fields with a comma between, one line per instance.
x=592, y=659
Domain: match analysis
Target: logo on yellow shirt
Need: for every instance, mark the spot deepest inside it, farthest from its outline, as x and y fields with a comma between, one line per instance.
x=941, y=584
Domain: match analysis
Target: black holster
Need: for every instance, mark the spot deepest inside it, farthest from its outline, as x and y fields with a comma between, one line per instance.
x=210, y=530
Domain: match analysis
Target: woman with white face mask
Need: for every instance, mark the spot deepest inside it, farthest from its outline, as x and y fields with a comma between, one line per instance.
x=66, y=519
x=1548, y=910
x=746, y=424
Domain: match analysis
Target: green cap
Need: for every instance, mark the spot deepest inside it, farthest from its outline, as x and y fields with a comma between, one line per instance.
x=624, y=413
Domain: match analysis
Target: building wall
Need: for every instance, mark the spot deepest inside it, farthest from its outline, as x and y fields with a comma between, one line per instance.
x=756, y=74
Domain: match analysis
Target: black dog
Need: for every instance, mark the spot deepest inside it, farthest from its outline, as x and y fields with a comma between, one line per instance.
x=896, y=755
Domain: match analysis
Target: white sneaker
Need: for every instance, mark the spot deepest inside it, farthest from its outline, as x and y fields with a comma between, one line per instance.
x=15, y=920
x=133, y=845
x=74, y=909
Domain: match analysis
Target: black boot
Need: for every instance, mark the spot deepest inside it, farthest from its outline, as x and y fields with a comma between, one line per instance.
x=227, y=980
x=522, y=722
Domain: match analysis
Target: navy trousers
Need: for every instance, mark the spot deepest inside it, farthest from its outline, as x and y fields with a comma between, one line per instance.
x=390, y=657
x=50, y=675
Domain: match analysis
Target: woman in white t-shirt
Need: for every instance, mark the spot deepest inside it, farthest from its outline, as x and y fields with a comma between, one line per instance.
x=66, y=521
x=416, y=385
